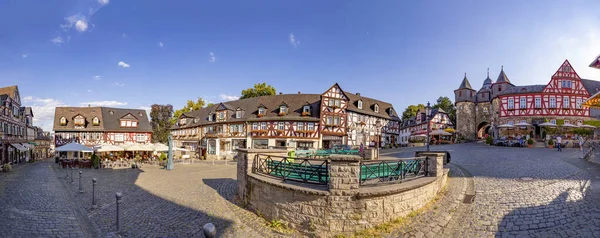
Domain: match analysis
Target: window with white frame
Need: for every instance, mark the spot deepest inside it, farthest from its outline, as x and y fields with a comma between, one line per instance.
x=140, y=137
x=221, y=115
x=261, y=111
x=283, y=109
x=254, y=126
x=263, y=126
x=281, y=126
x=63, y=121
x=119, y=137
x=376, y=108
x=300, y=126
x=311, y=126
x=329, y=120
x=336, y=120
x=123, y=123
x=579, y=101
x=552, y=102
x=240, y=127
x=511, y=103
x=238, y=114
x=566, y=84
x=306, y=109
x=553, y=121
x=538, y=102
x=523, y=102
x=95, y=121
x=566, y=102
x=232, y=128
x=210, y=117
x=134, y=124
x=359, y=104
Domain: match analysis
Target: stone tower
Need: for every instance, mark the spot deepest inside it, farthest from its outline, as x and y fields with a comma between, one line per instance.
x=502, y=84
x=464, y=98
x=483, y=108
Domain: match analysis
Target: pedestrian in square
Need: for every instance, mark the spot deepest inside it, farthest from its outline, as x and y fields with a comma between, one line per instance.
x=558, y=141
x=581, y=143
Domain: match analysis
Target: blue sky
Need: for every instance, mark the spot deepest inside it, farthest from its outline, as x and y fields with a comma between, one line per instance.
x=403, y=52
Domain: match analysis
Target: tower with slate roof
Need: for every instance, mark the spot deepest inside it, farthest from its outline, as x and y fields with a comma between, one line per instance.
x=465, y=98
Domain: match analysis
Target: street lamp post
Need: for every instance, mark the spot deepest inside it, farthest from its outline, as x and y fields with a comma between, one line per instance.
x=428, y=119
x=377, y=129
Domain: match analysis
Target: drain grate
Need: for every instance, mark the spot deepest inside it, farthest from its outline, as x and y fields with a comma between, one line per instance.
x=469, y=199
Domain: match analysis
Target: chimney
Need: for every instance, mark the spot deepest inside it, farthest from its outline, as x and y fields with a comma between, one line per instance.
x=280, y=93
x=89, y=105
x=298, y=92
x=358, y=94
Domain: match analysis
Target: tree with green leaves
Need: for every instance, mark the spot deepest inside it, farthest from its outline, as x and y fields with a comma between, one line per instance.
x=446, y=104
x=160, y=119
x=259, y=89
x=411, y=111
x=189, y=106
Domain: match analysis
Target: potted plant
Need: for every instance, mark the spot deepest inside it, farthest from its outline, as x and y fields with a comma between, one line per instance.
x=488, y=140
x=530, y=142
x=550, y=144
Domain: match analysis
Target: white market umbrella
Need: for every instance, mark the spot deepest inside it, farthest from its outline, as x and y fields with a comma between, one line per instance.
x=440, y=133
x=160, y=147
x=505, y=126
x=523, y=124
x=72, y=147
x=547, y=124
x=569, y=125
x=587, y=126
x=108, y=148
x=137, y=147
x=180, y=149
x=418, y=136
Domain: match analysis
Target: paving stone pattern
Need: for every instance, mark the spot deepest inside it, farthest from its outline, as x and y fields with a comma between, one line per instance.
x=33, y=204
x=558, y=202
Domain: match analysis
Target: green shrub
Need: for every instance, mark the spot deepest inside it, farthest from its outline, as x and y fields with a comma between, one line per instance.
x=7, y=167
x=595, y=123
x=162, y=157
x=95, y=160
x=550, y=142
x=488, y=140
x=530, y=141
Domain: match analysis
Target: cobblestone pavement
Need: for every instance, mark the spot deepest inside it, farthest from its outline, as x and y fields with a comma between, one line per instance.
x=33, y=203
x=519, y=192
x=160, y=203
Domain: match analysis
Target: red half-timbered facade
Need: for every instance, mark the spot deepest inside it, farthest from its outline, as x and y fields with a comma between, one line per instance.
x=92, y=126
x=333, y=116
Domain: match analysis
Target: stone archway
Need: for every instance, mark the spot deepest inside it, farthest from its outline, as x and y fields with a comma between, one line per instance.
x=483, y=129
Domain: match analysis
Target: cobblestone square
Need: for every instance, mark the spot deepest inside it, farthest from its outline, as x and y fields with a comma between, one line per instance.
x=518, y=192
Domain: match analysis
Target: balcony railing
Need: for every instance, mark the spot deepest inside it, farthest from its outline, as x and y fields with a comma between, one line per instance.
x=399, y=170
x=294, y=169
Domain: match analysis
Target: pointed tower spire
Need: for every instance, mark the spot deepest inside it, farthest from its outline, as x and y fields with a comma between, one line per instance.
x=488, y=72
x=465, y=83
x=502, y=78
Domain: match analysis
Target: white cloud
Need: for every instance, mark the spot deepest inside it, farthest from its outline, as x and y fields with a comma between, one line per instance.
x=81, y=25
x=212, y=57
x=24, y=55
x=229, y=97
x=123, y=64
x=160, y=44
x=89, y=90
x=104, y=103
x=43, y=110
x=293, y=40
x=72, y=21
x=103, y=2
x=117, y=84
x=97, y=77
x=57, y=40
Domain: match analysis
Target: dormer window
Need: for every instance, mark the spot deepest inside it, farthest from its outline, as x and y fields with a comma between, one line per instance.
x=283, y=110
x=238, y=114
x=210, y=117
x=79, y=121
x=306, y=109
x=195, y=120
x=63, y=121
x=391, y=112
x=128, y=123
x=376, y=108
x=182, y=121
x=261, y=111
x=95, y=121
x=359, y=104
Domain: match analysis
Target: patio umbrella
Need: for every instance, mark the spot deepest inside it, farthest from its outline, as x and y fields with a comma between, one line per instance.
x=440, y=133
x=505, y=126
x=107, y=148
x=72, y=147
x=587, y=126
x=569, y=125
x=137, y=147
x=523, y=124
x=160, y=147
x=547, y=124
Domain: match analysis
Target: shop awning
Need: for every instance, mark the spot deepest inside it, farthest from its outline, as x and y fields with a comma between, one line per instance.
x=19, y=147
x=28, y=146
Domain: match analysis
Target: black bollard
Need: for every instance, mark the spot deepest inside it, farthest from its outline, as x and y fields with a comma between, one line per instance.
x=94, y=206
x=80, y=188
x=210, y=230
x=118, y=195
x=72, y=174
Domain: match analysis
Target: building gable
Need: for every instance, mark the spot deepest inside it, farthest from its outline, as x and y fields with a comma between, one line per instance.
x=596, y=63
x=566, y=81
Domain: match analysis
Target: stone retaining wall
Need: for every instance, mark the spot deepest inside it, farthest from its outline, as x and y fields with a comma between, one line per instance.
x=342, y=206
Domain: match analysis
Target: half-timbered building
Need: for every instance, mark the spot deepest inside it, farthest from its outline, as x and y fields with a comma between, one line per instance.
x=92, y=126
x=417, y=125
x=289, y=121
x=560, y=99
x=14, y=121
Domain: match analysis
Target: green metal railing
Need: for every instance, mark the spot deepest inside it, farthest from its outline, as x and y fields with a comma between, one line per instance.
x=295, y=169
x=374, y=171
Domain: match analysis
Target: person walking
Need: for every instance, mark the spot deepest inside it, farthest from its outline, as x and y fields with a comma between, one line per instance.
x=361, y=151
x=558, y=141
x=581, y=143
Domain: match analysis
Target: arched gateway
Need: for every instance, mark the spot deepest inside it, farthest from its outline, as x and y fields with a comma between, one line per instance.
x=483, y=129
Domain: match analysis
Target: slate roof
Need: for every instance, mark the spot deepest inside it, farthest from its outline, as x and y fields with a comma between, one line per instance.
x=524, y=89
x=465, y=83
x=10, y=91
x=592, y=86
x=368, y=107
x=109, y=119
x=502, y=78
x=26, y=111
x=249, y=107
